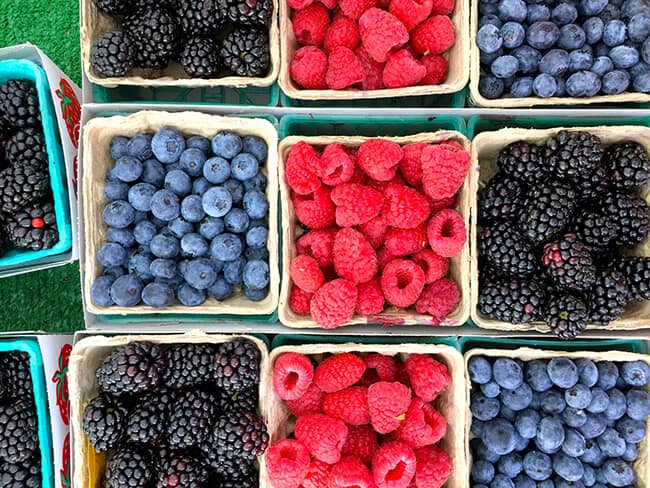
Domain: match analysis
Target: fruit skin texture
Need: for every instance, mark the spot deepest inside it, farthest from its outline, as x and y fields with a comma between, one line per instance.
x=513, y=300
x=370, y=299
x=338, y=372
x=433, y=467
x=381, y=32
x=309, y=68
x=301, y=169
x=428, y=377
x=310, y=24
x=349, y=405
x=104, y=422
x=350, y=471
x=423, y=425
x=447, y=233
x=334, y=303
x=354, y=257
x=318, y=475
x=361, y=442
x=439, y=299
x=566, y=315
x=569, y=264
x=379, y=158
x=402, y=282
x=405, y=208
x=310, y=402
x=402, y=69
x=344, y=69
x=322, y=435
x=433, y=36
x=444, y=168
x=306, y=274
x=292, y=375
x=389, y=457
x=133, y=368
x=388, y=403
x=287, y=463
x=356, y=204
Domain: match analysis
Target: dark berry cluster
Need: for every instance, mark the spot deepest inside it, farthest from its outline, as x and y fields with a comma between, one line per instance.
x=187, y=220
x=173, y=416
x=553, y=221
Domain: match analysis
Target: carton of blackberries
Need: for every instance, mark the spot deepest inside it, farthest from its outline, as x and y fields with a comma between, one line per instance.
x=180, y=215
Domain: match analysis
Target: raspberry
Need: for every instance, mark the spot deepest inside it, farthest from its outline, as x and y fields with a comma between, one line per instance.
x=402, y=281
x=287, y=463
x=443, y=170
x=343, y=32
x=402, y=242
x=292, y=375
x=330, y=4
x=361, y=442
x=402, y=70
x=299, y=4
x=350, y=472
x=334, y=303
x=402, y=375
x=344, y=69
x=306, y=274
x=349, y=405
x=384, y=256
x=355, y=8
x=411, y=165
x=437, y=205
x=370, y=299
x=310, y=402
x=381, y=186
x=447, y=233
x=379, y=158
x=318, y=475
x=310, y=24
x=439, y=299
x=356, y=204
x=375, y=231
x=309, y=67
x=410, y=12
x=423, y=425
x=301, y=169
x=428, y=377
x=442, y=7
x=299, y=300
x=437, y=68
x=381, y=32
x=434, y=266
x=323, y=436
x=433, y=467
x=394, y=465
x=319, y=245
x=387, y=404
x=354, y=258
x=405, y=207
x=384, y=366
x=339, y=371
x=372, y=70
x=336, y=165
x=433, y=36
x=315, y=210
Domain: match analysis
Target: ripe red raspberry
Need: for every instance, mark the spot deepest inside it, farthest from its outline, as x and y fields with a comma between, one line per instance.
x=350, y=472
x=306, y=274
x=433, y=36
x=442, y=7
x=411, y=166
x=344, y=69
x=428, y=377
x=423, y=425
x=381, y=32
x=323, y=436
x=310, y=402
x=354, y=257
x=439, y=299
x=339, y=371
x=336, y=165
x=410, y=12
x=387, y=404
x=349, y=405
x=318, y=475
x=301, y=169
x=315, y=210
x=433, y=467
x=310, y=24
x=334, y=303
x=443, y=170
x=292, y=375
x=446, y=232
x=394, y=465
x=299, y=300
x=434, y=266
x=355, y=8
x=405, y=208
x=318, y=244
x=402, y=281
x=402, y=375
x=342, y=31
x=375, y=231
x=370, y=299
x=356, y=204
x=437, y=205
x=361, y=442
x=385, y=367
x=437, y=68
x=372, y=70
x=381, y=186
x=402, y=70
x=402, y=242
x=379, y=158
x=309, y=67
x=287, y=463
x=384, y=256
x=299, y=4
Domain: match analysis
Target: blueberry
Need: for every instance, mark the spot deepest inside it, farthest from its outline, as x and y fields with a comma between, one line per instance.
x=592, y=7
x=487, y=59
x=614, y=33
x=610, y=12
x=256, y=146
x=220, y=290
x=126, y=291
x=517, y=399
x=638, y=28
x=236, y=189
x=583, y=84
x=537, y=376
x=244, y=166
x=538, y=13
x=226, y=144
x=562, y=483
x=477, y=427
x=116, y=190
x=592, y=453
x=624, y=56
x=211, y=227
x=190, y=296
x=257, y=237
x=607, y=375
x=217, y=265
x=523, y=481
x=253, y=253
x=574, y=417
x=256, y=275
x=480, y=369
x=194, y=245
x=179, y=227
x=588, y=475
x=593, y=27
x=564, y=13
x=594, y=426
x=200, y=274
x=114, y=271
x=167, y=145
x=100, y=292
x=153, y=172
x=216, y=170
x=611, y=443
x=618, y=473
x=617, y=405
x=635, y=373
x=118, y=147
x=226, y=247
x=140, y=265
x=615, y=82
x=504, y=66
x=602, y=65
x=488, y=38
x=140, y=196
x=217, y=201
x=200, y=186
x=560, y=91
x=255, y=204
x=601, y=49
x=482, y=451
x=236, y=221
x=552, y=402
x=111, y=254
x=574, y=443
x=544, y=85
x=631, y=452
x=490, y=19
x=179, y=182
x=484, y=408
x=192, y=208
x=638, y=404
x=191, y=161
x=123, y=237
x=164, y=246
x=256, y=295
x=507, y=373
x=165, y=205
x=158, y=295
x=550, y=434
x=555, y=62
x=510, y=465
x=641, y=82
x=163, y=268
x=512, y=10
x=580, y=59
x=139, y=146
x=568, y=467
x=118, y=214
x=542, y=35
x=578, y=396
x=630, y=8
x=490, y=87
x=513, y=34
x=500, y=435
x=257, y=182
x=507, y=413
x=491, y=389
x=482, y=471
x=526, y=423
x=233, y=271
x=639, y=68
x=538, y=465
x=198, y=142
x=485, y=8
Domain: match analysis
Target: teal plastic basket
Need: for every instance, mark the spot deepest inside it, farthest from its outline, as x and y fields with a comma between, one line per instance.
x=31, y=347
x=298, y=339
x=28, y=70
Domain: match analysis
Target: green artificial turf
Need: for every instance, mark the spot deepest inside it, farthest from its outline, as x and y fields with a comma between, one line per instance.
x=45, y=300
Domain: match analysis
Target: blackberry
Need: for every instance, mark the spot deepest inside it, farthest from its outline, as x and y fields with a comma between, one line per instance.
x=594, y=229
x=250, y=12
x=566, y=315
x=34, y=228
x=148, y=417
x=27, y=148
x=636, y=270
x=128, y=467
x=512, y=300
x=132, y=368
x=240, y=435
x=200, y=58
x=18, y=431
x=188, y=365
x=154, y=35
x=592, y=188
x=200, y=17
x=182, y=471
x=112, y=54
x=5, y=386
x=569, y=263
x=21, y=186
x=523, y=161
x=573, y=155
x=19, y=104
x=244, y=400
x=246, y=52
x=19, y=377
x=628, y=165
x=500, y=199
x=546, y=211
x=608, y=297
x=237, y=365
x=235, y=468
x=506, y=250
x=631, y=213
x=115, y=7
x=21, y=475
x=250, y=482
x=191, y=419
x=104, y=422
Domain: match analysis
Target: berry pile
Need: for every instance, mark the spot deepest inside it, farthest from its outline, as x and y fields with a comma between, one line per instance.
x=187, y=220
x=371, y=45
x=562, y=48
x=27, y=220
x=182, y=415
x=379, y=228
x=208, y=38
x=557, y=423
x=554, y=219
x=368, y=421
x=20, y=459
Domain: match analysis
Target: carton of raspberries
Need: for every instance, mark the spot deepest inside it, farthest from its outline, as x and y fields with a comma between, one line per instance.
x=375, y=230
x=168, y=415
x=366, y=419
x=553, y=419
x=564, y=220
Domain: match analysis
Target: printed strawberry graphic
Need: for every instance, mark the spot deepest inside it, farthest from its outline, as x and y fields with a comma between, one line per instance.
x=61, y=379
x=66, y=479
x=71, y=110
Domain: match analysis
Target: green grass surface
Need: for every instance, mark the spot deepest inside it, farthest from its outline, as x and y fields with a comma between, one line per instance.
x=46, y=300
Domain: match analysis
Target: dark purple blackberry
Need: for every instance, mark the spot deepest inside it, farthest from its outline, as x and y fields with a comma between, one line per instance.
x=21, y=475
x=250, y=482
x=237, y=365
x=5, y=387
x=131, y=369
x=19, y=106
x=112, y=54
x=608, y=297
x=129, y=467
x=240, y=435
x=636, y=270
x=546, y=211
x=115, y=7
x=18, y=431
x=596, y=230
x=631, y=213
x=573, y=155
x=235, y=468
x=27, y=148
x=183, y=472
x=188, y=365
x=21, y=186
x=628, y=165
x=203, y=17
x=19, y=377
x=33, y=228
x=200, y=57
x=506, y=250
x=524, y=162
x=244, y=400
x=569, y=263
x=566, y=315
x=250, y=12
x=191, y=419
x=148, y=417
x=246, y=52
x=154, y=35
x=591, y=189
x=104, y=422
x=500, y=199
x=517, y=301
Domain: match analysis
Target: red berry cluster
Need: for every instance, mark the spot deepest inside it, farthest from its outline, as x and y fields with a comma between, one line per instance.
x=361, y=420
x=370, y=44
x=380, y=228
